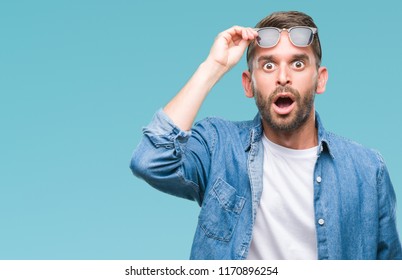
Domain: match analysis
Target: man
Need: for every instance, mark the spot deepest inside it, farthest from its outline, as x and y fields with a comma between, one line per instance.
x=279, y=186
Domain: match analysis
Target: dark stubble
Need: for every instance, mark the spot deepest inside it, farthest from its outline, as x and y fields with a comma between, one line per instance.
x=286, y=123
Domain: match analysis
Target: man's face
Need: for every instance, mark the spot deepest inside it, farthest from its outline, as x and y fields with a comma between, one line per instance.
x=284, y=83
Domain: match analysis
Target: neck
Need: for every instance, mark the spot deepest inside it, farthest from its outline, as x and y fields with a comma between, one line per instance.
x=304, y=137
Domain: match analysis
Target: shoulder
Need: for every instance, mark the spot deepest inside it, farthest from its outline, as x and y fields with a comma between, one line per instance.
x=349, y=150
x=222, y=126
x=222, y=132
x=218, y=121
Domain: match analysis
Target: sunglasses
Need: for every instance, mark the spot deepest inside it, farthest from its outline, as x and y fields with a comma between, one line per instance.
x=300, y=36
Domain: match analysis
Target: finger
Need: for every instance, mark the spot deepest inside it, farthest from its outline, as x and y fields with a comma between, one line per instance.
x=252, y=34
x=244, y=34
x=243, y=44
x=236, y=34
x=249, y=35
x=236, y=31
x=232, y=33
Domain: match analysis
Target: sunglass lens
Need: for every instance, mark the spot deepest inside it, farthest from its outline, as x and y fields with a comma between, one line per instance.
x=267, y=37
x=301, y=36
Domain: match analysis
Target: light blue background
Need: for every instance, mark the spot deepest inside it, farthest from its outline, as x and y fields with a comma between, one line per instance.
x=79, y=79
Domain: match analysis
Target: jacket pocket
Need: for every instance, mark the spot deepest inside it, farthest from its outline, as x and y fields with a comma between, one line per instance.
x=220, y=211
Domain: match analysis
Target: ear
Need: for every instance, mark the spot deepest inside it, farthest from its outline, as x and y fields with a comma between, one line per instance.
x=322, y=80
x=246, y=81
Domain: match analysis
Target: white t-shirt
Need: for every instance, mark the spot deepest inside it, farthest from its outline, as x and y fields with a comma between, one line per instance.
x=284, y=226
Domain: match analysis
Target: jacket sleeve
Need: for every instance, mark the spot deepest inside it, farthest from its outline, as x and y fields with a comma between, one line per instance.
x=389, y=246
x=172, y=160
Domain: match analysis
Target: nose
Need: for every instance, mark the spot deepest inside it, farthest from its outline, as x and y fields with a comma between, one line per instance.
x=283, y=78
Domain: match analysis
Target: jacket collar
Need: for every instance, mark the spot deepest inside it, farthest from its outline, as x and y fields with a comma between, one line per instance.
x=256, y=132
x=324, y=143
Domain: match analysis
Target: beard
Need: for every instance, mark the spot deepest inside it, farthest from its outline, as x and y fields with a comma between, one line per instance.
x=295, y=119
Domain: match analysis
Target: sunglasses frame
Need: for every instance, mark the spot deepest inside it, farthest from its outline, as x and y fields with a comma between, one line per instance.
x=289, y=30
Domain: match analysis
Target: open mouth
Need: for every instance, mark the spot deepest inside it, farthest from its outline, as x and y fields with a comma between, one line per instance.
x=283, y=104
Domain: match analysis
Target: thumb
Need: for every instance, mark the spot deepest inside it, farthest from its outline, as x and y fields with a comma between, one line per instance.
x=238, y=51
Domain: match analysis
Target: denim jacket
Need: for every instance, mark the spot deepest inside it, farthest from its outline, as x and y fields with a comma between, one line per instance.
x=219, y=164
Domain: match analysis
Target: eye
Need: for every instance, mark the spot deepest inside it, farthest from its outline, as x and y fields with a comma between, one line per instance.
x=298, y=64
x=269, y=66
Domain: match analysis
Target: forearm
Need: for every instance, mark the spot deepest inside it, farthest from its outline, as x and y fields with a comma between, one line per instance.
x=183, y=108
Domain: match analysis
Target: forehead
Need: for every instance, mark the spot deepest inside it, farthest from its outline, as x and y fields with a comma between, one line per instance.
x=283, y=54
x=278, y=55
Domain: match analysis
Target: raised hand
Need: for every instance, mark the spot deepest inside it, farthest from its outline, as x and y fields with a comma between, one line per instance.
x=230, y=45
x=226, y=51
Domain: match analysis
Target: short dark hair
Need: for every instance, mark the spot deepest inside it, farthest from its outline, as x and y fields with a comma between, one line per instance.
x=287, y=20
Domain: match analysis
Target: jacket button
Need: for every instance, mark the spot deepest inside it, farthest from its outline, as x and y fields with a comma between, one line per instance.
x=321, y=222
x=318, y=179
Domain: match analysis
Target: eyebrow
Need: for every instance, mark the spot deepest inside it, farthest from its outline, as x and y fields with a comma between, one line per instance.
x=303, y=56
x=265, y=58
